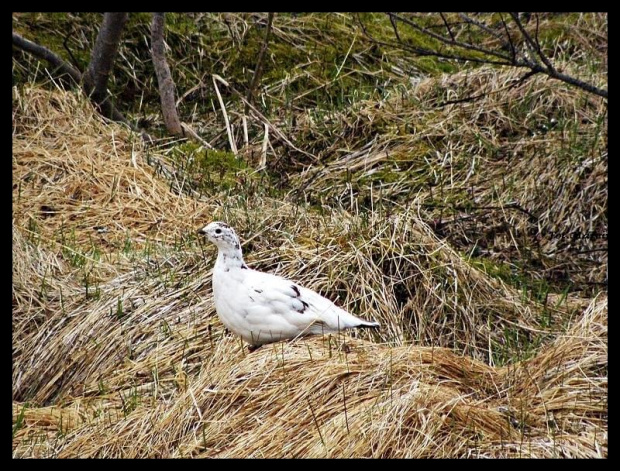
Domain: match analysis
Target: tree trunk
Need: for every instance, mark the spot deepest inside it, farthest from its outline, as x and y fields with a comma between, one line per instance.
x=164, y=77
x=102, y=62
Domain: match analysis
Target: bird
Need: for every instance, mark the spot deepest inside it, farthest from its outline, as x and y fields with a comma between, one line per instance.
x=263, y=308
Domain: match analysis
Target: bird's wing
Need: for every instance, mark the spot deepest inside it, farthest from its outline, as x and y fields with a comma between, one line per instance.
x=272, y=295
x=280, y=294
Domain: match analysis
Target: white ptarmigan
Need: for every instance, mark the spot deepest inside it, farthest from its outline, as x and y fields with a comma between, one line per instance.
x=263, y=308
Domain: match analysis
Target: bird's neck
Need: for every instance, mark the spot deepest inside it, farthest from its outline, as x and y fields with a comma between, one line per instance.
x=230, y=258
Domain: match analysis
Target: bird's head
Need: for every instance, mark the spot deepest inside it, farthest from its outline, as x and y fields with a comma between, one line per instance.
x=222, y=235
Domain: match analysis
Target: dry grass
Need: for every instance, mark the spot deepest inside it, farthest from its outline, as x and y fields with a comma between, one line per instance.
x=512, y=173
x=94, y=191
x=316, y=399
x=117, y=352
x=518, y=174
x=457, y=226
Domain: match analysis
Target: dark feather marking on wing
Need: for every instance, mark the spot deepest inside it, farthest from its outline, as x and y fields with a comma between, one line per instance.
x=304, y=304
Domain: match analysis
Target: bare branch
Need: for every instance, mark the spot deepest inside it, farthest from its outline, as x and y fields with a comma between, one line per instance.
x=534, y=45
x=61, y=67
x=65, y=68
x=259, y=63
x=164, y=77
x=449, y=42
x=395, y=28
x=568, y=79
x=65, y=44
x=427, y=52
x=445, y=23
x=510, y=42
x=529, y=61
x=45, y=54
x=483, y=27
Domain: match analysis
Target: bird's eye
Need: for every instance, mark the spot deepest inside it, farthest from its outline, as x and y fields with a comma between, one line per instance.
x=218, y=231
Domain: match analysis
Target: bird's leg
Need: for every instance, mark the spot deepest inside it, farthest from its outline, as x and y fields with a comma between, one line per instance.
x=253, y=348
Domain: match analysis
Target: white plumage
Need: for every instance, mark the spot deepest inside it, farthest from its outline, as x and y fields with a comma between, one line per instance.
x=263, y=308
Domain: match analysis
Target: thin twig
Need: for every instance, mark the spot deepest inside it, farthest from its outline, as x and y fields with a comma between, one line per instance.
x=427, y=52
x=536, y=34
x=65, y=44
x=259, y=63
x=447, y=41
x=395, y=28
x=445, y=22
x=482, y=26
x=513, y=51
x=534, y=45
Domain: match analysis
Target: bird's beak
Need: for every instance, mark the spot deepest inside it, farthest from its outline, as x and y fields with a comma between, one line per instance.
x=202, y=231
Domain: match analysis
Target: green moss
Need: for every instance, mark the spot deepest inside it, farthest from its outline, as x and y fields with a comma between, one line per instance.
x=532, y=288
x=208, y=170
x=212, y=172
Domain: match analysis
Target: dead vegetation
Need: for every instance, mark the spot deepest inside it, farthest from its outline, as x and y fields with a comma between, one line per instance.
x=139, y=366
x=321, y=398
x=117, y=351
x=507, y=177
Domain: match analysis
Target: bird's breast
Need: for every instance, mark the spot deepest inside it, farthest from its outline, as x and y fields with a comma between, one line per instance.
x=228, y=291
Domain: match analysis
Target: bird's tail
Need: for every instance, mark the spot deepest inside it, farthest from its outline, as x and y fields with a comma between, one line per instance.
x=349, y=321
x=368, y=325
